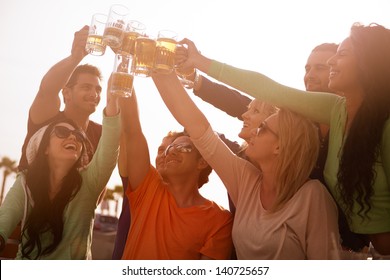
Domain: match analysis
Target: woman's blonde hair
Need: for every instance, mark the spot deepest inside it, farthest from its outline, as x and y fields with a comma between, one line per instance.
x=267, y=110
x=298, y=152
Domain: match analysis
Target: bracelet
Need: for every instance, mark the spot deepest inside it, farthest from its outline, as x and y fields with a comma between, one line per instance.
x=186, y=75
x=189, y=75
x=196, y=79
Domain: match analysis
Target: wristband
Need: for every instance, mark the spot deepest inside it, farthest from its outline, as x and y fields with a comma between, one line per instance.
x=196, y=79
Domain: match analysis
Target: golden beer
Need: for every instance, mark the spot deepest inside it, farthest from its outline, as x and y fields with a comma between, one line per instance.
x=121, y=84
x=164, y=61
x=128, y=42
x=95, y=45
x=144, y=56
x=113, y=36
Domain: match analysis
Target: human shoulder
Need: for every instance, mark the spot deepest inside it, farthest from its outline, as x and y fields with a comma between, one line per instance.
x=32, y=126
x=94, y=125
x=218, y=209
x=94, y=129
x=314, y=190
x=152, y=180
x=313, y=185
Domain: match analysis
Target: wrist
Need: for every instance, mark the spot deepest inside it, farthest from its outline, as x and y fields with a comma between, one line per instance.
x=112, y=107
x=197, y=80
x=188, y=76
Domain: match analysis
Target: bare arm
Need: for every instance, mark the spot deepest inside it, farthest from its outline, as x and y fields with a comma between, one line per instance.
x=180, y=104
x=137, y=160
x=222, y=97
x=122, y=160
x=47, y=101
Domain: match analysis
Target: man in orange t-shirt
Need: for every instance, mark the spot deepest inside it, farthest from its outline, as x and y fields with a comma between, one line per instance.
x=170, y=218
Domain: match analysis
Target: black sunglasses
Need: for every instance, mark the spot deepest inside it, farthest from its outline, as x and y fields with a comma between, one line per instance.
x=64, y=132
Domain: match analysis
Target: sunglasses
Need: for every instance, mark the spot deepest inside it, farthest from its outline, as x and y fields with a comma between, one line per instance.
x=181, y=148
x=64, y=132
x=264, y=127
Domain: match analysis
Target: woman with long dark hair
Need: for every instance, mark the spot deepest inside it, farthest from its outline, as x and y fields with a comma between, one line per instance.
x=56, y=196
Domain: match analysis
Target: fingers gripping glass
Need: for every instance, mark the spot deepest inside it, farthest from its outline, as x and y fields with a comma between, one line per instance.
x=264, y=127
x=64, y=132
x=181, y=148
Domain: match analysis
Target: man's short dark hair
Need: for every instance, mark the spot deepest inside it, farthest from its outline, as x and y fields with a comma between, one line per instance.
x=85, y=68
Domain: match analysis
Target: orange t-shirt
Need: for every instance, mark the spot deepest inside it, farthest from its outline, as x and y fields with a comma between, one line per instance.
x=161, y=230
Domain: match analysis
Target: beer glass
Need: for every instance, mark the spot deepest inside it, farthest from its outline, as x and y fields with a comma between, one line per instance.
x=133, y=30
x=122, y=76
x=145, y=49
x=115, y=26
x=95, y=43
x=164, y=61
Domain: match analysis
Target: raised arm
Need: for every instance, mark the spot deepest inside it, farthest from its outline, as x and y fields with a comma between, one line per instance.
x=47, y=101
x=231, y=101
x=180, y=104
x=122, y=160
x=106, y=156
x=136, y=161
x=314, y=105
x=220, y=96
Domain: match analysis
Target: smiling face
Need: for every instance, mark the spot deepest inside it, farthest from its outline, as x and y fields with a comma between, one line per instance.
x=160, y=158
x=252, y=118
x=344, y=71
x=65, y=144
x=263, y=146
x=84, y=95
x=317, y=71
x=181, y=157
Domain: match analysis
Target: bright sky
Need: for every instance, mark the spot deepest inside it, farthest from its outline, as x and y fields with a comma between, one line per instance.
x=272, y=37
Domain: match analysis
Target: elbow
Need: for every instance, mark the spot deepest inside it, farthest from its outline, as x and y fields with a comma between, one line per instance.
x=196, y=131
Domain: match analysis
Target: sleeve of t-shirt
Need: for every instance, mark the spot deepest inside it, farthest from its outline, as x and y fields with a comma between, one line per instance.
x=145, y=192
x=231, y=169
x=322, y=234
x=12, y=209
x=219, y=245
x=99, y=170
x=224, y=98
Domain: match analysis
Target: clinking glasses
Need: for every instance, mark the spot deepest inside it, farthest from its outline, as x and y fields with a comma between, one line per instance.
x=64, y=132
x=181, y=148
